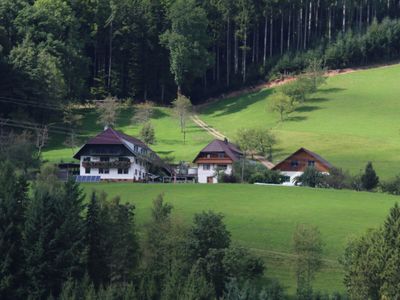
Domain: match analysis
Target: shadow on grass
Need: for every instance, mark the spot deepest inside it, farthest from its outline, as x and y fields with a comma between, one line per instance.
x=330, y=90
x=296, y=119
x=307, y=108
x=234, y=105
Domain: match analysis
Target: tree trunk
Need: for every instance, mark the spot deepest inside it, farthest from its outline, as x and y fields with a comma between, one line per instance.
x=271, y=34
x=309, y=21
x=253, y=54
x=265, y=41
x=244, y=55
x=281, y=32
x=228, y=53
x=305, y=28
x=329, y=23
x=236, y=58
x=289, y=30
x=110, y=55
x=218, y=67
x=344, y=17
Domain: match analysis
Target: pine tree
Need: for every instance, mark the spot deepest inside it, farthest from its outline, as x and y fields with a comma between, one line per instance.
x=369, y=179
x=13, y=198
x=96, y=260
x=53, y=237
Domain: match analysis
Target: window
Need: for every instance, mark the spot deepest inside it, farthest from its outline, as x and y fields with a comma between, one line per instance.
x=222, y=167
x=87, y=158
x=105, y=158
x=206, y=167
x=135, y=171
x=294, y=163
x=104, y=171
x=87, y=170
x=123, y=171
x=286, y=178
x=123, y=159
x=208, y=155
x=221, y=155
x=135, y=148
x=311, y=163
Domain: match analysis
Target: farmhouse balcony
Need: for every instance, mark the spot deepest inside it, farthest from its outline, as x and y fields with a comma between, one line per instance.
x=107, y=164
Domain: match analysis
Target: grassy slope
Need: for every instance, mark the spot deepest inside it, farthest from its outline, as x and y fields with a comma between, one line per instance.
x=263, y=218
x=168, y=136
x=352, y=120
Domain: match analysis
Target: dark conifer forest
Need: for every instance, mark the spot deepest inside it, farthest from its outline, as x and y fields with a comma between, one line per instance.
x=58, y=51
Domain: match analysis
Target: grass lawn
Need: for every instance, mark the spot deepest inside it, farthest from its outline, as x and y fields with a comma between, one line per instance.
x=169, y=140
x=353, y=119
x=263, y=218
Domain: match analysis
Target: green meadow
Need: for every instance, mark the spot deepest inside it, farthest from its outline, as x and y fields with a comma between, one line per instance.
x=168, y=135
x=263, y=218
x=353, y=119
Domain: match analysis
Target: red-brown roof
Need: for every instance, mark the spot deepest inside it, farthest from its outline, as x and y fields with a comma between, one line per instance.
x=313, y=154
x=218, y=146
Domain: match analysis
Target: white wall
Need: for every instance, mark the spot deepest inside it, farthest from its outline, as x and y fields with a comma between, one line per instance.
x=202, y=174
x=135, y=169
x=292, y=176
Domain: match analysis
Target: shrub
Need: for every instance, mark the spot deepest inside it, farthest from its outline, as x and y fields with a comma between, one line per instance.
x=369, y=179
x=392, y=186
x=311, y=177
x=337, y=179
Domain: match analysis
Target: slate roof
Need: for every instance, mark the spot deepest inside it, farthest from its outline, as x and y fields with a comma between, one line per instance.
x=114, y=137
x=313, y=154
x=218, y=146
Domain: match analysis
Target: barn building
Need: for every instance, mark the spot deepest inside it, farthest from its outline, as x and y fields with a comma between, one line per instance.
x=294, y=165
x=217, y=156
x=115, y=156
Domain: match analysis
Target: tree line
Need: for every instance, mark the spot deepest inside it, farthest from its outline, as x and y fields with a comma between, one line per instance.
x=58, y=51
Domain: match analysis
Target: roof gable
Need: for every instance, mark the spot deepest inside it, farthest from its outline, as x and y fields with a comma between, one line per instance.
x=222, y=146
x=114, y=137
x=313, y=154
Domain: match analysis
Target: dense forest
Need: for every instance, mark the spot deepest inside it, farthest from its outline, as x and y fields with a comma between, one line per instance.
x=57, y=51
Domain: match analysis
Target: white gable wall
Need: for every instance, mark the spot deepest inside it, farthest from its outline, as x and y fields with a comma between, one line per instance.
x=203, y=174
x=136, y=171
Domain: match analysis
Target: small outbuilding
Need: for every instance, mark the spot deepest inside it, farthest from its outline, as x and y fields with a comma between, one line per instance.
x=295, y=164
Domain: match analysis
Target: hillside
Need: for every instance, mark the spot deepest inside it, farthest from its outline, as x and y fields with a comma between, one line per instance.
x=169, y=140
x=263, y=218
x=352, y=120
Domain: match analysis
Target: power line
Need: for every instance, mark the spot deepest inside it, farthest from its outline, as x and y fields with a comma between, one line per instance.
x=24, y=102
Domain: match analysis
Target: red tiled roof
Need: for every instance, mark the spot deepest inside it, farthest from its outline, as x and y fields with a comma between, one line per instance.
x=218, y=146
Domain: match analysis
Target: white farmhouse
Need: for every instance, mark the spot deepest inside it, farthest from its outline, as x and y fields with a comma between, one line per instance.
x=218, y=156
x=115, y=156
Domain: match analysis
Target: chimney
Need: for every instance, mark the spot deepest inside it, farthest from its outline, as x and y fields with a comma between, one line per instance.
x=105, y=127
x=225, y=140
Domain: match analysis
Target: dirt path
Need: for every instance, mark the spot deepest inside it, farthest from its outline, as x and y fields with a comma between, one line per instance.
x=218, y=135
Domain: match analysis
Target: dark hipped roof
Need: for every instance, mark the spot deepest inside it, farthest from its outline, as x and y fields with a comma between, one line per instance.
x=113, y=137
x=222, y=146
x=313, y=154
